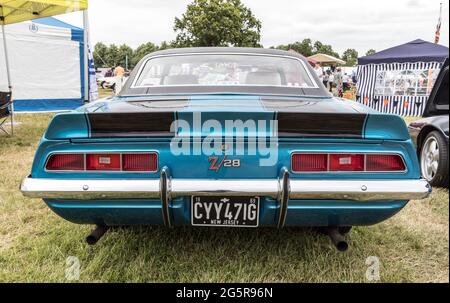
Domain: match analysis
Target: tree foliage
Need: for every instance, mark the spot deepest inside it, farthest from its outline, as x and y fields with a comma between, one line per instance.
x=112, y=55
x=214, y=23
x=217, y=23
x=142, y=51
x=320, y=48
x=307, y=48
x=370, y=52
x=350, y=56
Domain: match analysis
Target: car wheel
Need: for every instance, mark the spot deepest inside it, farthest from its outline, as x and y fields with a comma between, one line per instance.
x=103, y=85
x=434, y=159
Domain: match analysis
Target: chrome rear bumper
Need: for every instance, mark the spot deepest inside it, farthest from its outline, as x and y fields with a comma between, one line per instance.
x=283, y=189
x=358, y=190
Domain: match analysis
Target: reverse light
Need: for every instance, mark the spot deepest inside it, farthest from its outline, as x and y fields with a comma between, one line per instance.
x=114, y=162
x=346, y=162
x=323, y=162
x=104, y=162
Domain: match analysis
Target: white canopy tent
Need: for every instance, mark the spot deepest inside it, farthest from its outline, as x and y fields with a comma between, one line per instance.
x=47, y=65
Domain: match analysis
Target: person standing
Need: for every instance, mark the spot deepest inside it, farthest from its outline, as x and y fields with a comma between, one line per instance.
x=319, y=71
x=331, y=81
x=345, y=82
x=338, y=82
x=326, y=79
x=119, y=73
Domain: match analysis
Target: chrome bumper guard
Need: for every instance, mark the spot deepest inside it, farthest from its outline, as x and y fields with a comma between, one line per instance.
x=283, y=189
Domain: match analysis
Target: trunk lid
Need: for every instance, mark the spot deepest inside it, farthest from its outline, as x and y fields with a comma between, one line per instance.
x=226, y=115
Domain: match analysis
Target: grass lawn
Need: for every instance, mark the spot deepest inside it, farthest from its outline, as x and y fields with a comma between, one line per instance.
x=35, y=243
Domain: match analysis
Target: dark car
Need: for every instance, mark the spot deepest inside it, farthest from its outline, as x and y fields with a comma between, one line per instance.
x=431, y=133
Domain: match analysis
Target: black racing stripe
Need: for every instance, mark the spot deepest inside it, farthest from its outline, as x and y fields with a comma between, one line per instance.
x=107, y=125
x=340, y=125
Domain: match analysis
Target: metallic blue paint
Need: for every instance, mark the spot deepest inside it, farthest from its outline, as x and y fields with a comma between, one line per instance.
x=69, y=132
x=300, y=212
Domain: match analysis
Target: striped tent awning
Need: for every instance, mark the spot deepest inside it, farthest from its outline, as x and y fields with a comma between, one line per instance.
x=412, y=104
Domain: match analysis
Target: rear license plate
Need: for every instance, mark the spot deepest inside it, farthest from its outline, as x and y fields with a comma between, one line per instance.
x=225, y=211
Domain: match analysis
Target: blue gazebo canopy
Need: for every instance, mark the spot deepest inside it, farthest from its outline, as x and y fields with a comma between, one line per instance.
x=414, y=51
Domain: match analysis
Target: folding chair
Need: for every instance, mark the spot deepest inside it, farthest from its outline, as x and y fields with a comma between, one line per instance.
x=5, y=111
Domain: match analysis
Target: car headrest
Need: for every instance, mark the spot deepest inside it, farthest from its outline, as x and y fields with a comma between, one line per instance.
x=263, y=78
x=180, y=80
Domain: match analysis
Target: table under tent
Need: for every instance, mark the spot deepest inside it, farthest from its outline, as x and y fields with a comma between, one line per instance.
x=399, y=80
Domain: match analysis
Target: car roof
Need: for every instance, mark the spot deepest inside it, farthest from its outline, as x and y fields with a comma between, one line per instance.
x=231, y=50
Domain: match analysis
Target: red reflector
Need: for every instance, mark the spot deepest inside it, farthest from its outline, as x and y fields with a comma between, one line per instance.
x=382, y=163
x=309, y=162
x=65, y=162
x=103, y=162
x=140, y=162
x=346, y=162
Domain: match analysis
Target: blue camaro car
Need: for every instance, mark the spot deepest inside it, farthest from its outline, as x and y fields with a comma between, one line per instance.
x=229, y=137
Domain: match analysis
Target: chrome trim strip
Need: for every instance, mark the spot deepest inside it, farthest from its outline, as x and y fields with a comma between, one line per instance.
x=360, y=190
x=164, y=184
x=284, y=196
x=357, y=190
x=144, y=64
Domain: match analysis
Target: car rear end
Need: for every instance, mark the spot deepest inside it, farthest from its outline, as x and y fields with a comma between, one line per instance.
x=329, y=168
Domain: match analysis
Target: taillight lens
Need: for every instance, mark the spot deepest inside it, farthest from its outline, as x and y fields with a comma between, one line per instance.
x=140, y=162
x=385, y=163
x=105, y=162
x=309, y=162
x=65, y=162
x=346, y=162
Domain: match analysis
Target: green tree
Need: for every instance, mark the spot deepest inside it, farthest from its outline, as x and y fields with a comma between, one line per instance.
x=370, y=52
x=165, y=45
x=112, y=56
x=350, y=56
x=125, y=56
x=142, y=51
x=320, y=48
x=100, y=52
x=304, y=47
x=217, y=23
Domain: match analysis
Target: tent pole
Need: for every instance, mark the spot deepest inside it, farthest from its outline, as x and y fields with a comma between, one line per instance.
x=86, y=57
x=8, y=74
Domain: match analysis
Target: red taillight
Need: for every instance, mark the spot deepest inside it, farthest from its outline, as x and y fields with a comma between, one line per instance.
x=346, y=162
x=105, y=162
x=382, y=163
x=140, y=162
x=65, y=162
x=309, y=162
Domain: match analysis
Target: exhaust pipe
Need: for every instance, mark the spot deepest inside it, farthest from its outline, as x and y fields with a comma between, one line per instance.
x=96, y=234
x=337, y=239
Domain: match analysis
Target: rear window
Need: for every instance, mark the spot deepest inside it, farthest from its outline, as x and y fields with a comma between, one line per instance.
x=442, y=97
x=223, y=70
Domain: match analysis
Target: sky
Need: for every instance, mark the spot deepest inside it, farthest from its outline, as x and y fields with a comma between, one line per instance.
x=358, y=24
